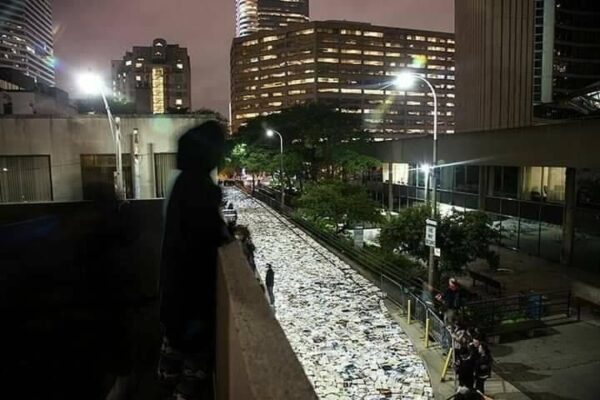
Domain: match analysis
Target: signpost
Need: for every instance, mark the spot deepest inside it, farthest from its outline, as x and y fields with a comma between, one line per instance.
x=430, y=233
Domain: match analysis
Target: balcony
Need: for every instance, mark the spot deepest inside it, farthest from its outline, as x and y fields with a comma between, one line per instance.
x=78, y=292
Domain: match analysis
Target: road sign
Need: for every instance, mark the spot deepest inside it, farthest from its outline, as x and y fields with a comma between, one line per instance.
x=430, y=233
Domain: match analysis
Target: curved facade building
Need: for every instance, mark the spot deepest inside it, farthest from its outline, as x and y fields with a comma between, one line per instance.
x=26, y=42
x=259, y=15
x=567, y=48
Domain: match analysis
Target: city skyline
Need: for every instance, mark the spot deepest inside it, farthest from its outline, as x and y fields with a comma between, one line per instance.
x=90, y=35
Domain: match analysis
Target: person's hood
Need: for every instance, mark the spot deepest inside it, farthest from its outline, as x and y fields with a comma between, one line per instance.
x=201, y=148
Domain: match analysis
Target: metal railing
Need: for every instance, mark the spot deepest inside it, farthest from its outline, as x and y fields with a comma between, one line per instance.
x=407, y=290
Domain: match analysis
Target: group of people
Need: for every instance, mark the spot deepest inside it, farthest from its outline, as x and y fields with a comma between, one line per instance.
x=472, y=356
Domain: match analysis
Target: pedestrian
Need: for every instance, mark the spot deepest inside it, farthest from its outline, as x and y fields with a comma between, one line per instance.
x=465, y=368
x=242, y=234
x=452, y=301
x=270, y=282
x=193, y=231
x=483, y=366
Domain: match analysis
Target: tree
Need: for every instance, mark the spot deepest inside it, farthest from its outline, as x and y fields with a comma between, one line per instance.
x=463, y=237
x=340, y=205
x=317, y=135
x=406, y=232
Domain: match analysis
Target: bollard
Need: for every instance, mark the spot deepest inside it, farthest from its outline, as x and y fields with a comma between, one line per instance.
x=408, y=313
x=427, y=333
x=446, y=364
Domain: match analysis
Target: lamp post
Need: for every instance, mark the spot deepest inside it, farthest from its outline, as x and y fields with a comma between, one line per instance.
x=92, y=84
x=403, y=81
x=271, y=133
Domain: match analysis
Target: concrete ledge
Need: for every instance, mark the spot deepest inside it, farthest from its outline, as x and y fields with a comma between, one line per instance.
x=254, y=358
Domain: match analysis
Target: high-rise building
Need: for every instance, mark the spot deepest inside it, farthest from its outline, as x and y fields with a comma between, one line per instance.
x=349, y=66
x=26, y=42
x=494, y=64
x=567, y=48
x=156, y=78
x=258, y=15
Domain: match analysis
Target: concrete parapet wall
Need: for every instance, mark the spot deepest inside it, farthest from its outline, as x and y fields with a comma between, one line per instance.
x=254, y=358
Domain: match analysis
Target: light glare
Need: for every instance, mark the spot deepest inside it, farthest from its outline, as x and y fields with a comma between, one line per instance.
x=90, y=83
x=270, y=132
x=404, y=80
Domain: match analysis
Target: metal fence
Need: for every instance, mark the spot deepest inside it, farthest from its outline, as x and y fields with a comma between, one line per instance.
x=407, y=290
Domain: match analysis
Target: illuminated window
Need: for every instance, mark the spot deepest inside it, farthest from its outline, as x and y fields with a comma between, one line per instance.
x=277, y=94
x=249, y=97
x=139, y=65
x=267, y=39
x=304, y=32
x=374, y=91
x=373, y=53
x=128, y=63
x=179, y=66
x=413, y=103
x=263, y=95
x=328, y=80
x=301, y=81
x=329, y=90
x=436, y=48
x=178, y=102
x=437, y=67
x=371, y=62
x=138, y=78
x=420, y=38
x=250, y=43
x=275, y=104
x=253, y=69
x=350, y=32
x=247, y=115
x=351, y=51
x=432, y=40
x=158, y=90
x=329, y=60
x=393, y=54
x=374, y=34
x=296, y=92
x=329, y=50
x=268, y=57
x=352, y=91
x=272, y=85
x=351, y=61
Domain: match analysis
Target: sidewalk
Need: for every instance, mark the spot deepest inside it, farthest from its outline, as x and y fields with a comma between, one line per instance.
x=496, y=387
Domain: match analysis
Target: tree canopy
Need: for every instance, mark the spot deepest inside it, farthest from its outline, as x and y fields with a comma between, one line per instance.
x=340, y=205
x=462, y=237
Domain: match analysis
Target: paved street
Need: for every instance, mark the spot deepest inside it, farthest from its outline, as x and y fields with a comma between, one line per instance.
x=334, y=318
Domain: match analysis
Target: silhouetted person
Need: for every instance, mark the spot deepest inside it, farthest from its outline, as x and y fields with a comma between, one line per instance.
x=483, y=366
x=270, y=282
x=193, y=232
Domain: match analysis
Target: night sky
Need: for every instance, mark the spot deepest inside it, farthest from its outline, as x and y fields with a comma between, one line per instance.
x=90, y=33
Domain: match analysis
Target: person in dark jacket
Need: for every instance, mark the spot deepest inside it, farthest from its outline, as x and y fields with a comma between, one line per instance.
x=483, y=367
x=465, y=367
x=452, y=300
x=193, y=231
x=270, y=282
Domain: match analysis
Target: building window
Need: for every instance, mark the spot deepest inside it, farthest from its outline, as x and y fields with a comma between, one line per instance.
x=179, y=65
x=178, y=102
x=138, y=78
x=165, y=166
x=25, y=178
x=97, y=175
x=128, y=63
x=158, y=91
x=374, y=34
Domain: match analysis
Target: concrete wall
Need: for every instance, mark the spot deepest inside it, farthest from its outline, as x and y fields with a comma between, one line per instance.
x=254, y=358
x=494, y=64
x=571, y=144
x=66, y=139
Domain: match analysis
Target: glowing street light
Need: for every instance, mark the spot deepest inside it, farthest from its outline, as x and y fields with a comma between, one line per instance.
x=271, y=133
x=92, y=84
x=406, y=80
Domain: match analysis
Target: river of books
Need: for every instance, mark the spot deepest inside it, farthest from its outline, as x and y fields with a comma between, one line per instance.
x=335, y=320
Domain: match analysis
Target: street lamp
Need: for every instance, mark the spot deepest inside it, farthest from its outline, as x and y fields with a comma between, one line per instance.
x=271, y=133
x=92, y=84
x=405, y=80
